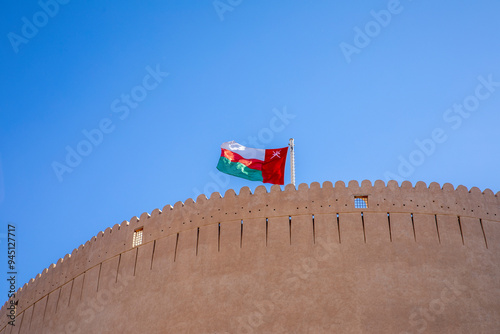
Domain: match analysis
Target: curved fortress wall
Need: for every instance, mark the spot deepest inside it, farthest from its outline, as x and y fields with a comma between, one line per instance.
x=294, y=261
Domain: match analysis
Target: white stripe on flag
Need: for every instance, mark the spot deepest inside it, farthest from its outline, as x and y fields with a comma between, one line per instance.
x=245, y=152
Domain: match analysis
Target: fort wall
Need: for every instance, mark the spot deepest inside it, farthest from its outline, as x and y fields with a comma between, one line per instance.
x=294, y=260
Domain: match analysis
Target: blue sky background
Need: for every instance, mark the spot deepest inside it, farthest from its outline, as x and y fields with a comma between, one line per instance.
x=230, y=75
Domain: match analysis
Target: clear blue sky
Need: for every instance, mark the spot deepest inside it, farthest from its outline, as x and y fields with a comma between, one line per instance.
x=356, y=89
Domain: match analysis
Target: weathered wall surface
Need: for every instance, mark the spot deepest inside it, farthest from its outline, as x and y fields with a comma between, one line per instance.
x=418, y=259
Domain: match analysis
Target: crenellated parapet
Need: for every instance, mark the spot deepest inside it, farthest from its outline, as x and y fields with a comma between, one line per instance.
x=457, y=204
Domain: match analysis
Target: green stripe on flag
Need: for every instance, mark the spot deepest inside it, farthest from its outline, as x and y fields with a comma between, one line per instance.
x=238, y=169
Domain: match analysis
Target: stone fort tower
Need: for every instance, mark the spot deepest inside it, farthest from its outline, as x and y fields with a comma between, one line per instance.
x=317, y=259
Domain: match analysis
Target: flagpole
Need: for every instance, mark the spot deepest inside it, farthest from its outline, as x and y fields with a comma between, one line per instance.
x=292, y=160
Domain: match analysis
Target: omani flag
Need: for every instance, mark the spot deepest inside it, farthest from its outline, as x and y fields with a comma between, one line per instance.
x=254, y=164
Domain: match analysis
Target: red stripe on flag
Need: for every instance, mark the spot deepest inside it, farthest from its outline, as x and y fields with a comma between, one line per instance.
x=235, y=157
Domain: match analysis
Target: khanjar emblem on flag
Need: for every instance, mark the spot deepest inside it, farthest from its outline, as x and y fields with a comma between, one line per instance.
x=254, y=164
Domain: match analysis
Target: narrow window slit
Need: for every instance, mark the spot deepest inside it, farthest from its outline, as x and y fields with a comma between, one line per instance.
x=290, y=228
x=135, y=263
x=241, y=235
x=31, y=319
x=314, y=230
x=45, y=310
x=22, y=319
x=389, y=222
x=83, y=284
x=267, y=229
x=218, y=240
x=71, y=290
x=437, y=228
x=460, y=226
x=176, y=243
x=99, y=277
x=117, y=270
x=197, y=239
x=57, y=305
x=363, y=223
x=413, y=225
x=153, y=255
x=484, y=234
x=338, y=227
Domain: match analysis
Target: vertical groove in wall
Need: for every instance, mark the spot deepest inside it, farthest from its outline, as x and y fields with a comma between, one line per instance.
x=413, y=225
x=218, y=240
x=83, y=284
x=389, y=222
x=338, y=227
x=118, y=267
x=32, y=313
x=363, y=223
x=58, y=297
x=314, y=230
x=22, y=320
x=176, y=243
x=136, y=255
x=71, y=291
x=267, y=229
x=241, y=234
x=99, y=277
x=197, y=239
x=45, y=310
x=460, y=226
x=153, y=255
x=437, y=228
x=484, y=234
x=290, y=228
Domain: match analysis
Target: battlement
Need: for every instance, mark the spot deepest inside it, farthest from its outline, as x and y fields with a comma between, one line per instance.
x=111, y=251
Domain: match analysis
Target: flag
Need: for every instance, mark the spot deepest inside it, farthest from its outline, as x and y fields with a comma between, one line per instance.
x=254, y=164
